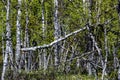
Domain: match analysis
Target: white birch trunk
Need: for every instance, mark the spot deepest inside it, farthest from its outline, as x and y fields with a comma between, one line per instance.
x=115, y=60
x=43, y=18
x=8, y=50
x=106, y=51
x=40, y=59
x=18, y=34
x=43, y=30
x=3, y=50
x=119, y=73
x=118, y=62
x=27, y=66
x=25, y=45
x=57, y=33
x=3, y=36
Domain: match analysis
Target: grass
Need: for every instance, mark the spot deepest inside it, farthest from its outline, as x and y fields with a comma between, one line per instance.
x=49, y=76
x=75, y=77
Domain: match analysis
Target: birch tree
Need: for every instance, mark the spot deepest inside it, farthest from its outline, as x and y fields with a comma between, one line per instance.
x=18, y=34
x=26, y=40
x=118, y=7
x=3, y=37
x=106, y=51
x=43, y=32
x=8, y=50
x=57, y=33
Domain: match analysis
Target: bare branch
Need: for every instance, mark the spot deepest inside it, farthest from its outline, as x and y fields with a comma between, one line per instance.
x=80, y=56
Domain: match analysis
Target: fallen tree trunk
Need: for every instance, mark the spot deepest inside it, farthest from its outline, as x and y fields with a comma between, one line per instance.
x=54, y=42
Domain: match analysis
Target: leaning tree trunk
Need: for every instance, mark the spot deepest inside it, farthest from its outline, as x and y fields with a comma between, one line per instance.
x=18, y=33
x=8, y=50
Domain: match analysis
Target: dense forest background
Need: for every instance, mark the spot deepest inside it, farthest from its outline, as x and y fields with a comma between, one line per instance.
x=53, y=39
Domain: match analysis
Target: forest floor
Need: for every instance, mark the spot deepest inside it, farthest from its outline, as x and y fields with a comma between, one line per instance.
x=57, y=77
x=75, y=77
